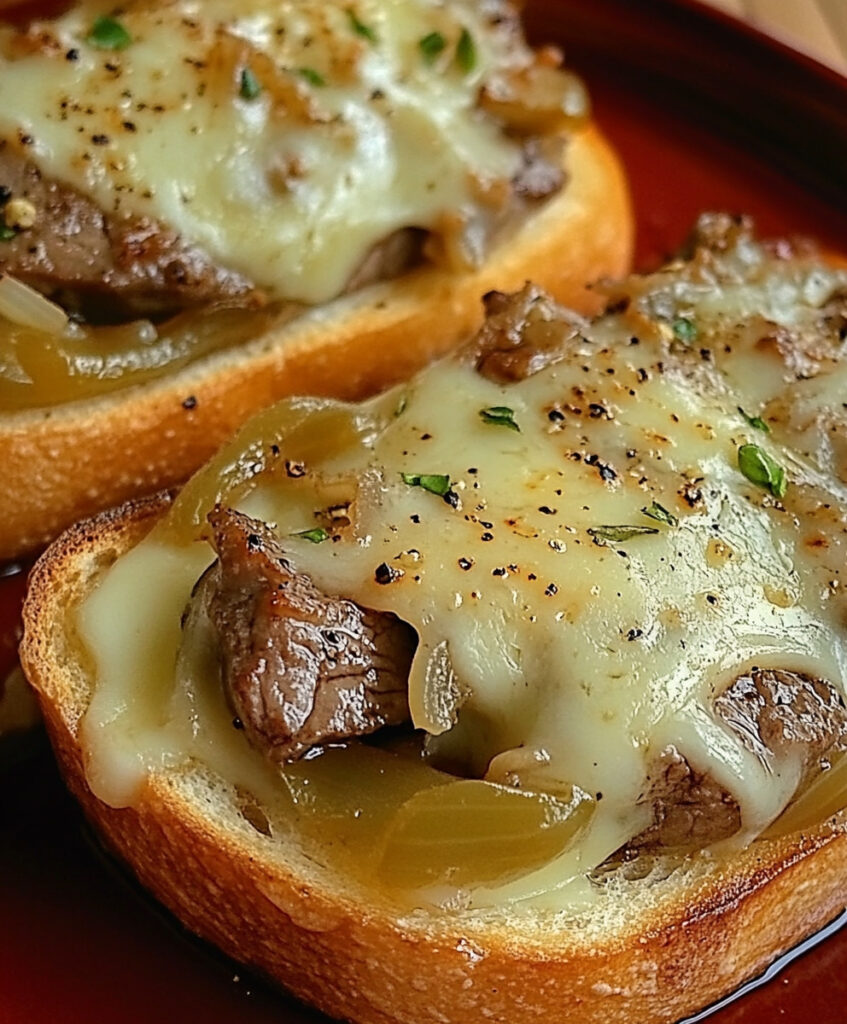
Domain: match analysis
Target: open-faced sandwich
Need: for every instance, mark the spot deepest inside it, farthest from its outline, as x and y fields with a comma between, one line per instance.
x=207, y=206
x=513, y=693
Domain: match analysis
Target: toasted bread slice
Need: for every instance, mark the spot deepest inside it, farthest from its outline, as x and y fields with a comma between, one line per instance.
x=664, y=930
x=71, y=460
x=658, y=948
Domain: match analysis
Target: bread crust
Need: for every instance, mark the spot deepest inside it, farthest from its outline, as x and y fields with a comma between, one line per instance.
x=674, y=944
x=72, y=460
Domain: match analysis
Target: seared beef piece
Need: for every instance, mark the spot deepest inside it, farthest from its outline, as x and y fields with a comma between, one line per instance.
x=104, y=266
x=300, y=668
x=690, y=809
x=394, y=255
x=777, y=713
x=522, y=333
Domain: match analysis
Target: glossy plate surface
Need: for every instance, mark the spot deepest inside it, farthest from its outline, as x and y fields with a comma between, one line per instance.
x=706, y=116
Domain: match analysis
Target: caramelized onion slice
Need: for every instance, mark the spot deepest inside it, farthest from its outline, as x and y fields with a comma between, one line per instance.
x=25, y=306
x=824, y=797
x=538, y=100
x=471, y=832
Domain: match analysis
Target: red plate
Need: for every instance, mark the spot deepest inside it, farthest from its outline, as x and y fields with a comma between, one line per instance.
x=706, y=115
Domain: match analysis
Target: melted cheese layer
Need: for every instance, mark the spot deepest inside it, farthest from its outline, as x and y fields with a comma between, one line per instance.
x=556, y=618
x=343, y=132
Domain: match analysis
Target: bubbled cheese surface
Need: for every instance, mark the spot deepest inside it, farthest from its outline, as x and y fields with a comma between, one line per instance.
x=351, y=134
x=564, y=632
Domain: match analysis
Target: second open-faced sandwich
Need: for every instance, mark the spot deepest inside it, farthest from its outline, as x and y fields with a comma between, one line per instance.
x=516, y=692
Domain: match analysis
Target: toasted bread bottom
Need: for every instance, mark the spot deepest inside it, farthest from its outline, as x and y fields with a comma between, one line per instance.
x=652, y=949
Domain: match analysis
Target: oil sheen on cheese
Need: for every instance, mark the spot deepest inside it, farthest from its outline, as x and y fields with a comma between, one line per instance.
x=597, y=572
x=284, y=137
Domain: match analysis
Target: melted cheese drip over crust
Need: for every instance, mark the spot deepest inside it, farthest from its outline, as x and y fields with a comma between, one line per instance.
x=541, y=630
x=353, y=135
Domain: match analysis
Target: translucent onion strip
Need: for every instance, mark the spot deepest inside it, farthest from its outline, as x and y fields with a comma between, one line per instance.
x=824, y=797
x=471, y=833
x=25, y=306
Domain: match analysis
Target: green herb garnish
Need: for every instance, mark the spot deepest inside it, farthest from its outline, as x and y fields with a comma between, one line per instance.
x=500, y=416
x=466, y=52
x=360, y=28
x=660, y=514
x=760, y=469
x=317, y=535
x=250, y=86
x=431, y=45
x=755, y=421
x=435, y=483
x=108, y=34
x=684, y=329
x=311, y=76
x=6, y=233
x=615, y=534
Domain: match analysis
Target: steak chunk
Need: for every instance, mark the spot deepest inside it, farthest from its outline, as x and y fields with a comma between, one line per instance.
x=106, y=267
x=690, y=809
x=523, y=332
x=777, y=713
x=300, y=668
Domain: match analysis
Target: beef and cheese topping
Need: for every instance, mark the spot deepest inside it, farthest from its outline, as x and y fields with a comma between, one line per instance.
x=269, y=145
x=621, y=545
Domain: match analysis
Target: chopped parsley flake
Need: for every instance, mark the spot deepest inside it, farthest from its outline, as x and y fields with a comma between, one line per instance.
x=466, y=52
x=6, y=233
x=360, y=28
x=435, y=483
x=311, y=76
x=615, y=534
x=755, y=421
x=660, y=514
x=317, y=535
x=684, y=329
x=108, y=34
x=499, y=416
x=250, y=86
x=431, y=45
x=760, y=469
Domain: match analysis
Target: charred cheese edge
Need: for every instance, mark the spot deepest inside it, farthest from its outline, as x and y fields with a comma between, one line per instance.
x=284, y=138
x=564, y=632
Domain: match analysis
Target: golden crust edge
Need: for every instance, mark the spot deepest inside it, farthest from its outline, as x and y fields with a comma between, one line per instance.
x=367, y=964
x=70, y=461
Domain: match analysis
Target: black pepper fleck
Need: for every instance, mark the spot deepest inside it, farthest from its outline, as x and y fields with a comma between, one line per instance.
x=385, y=573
